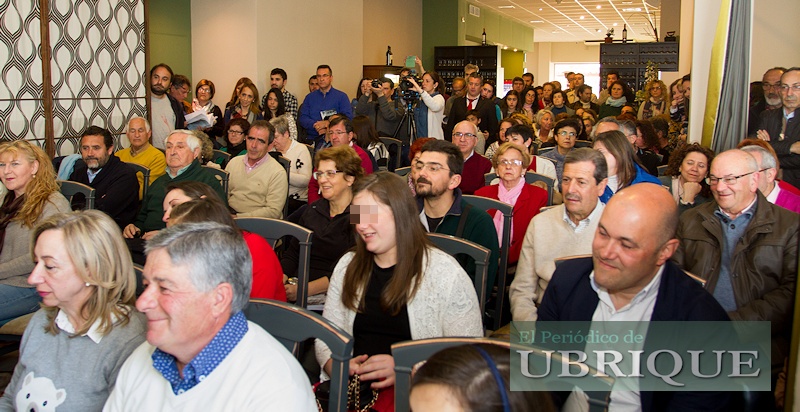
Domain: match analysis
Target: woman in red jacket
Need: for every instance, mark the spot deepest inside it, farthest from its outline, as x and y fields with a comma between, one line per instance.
x=510, y=162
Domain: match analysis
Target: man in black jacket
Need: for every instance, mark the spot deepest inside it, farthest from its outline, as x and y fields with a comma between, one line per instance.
x=781, y=127
x=114, y=181
x=473, y=101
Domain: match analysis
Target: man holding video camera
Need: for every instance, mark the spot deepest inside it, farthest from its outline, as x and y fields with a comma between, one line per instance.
x=385, y=113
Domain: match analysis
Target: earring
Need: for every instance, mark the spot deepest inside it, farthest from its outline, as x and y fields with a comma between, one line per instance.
x=88, y=284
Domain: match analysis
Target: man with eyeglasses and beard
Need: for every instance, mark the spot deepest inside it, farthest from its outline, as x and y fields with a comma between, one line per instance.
x=781, y=127
x=771, y=84
x=443, y=210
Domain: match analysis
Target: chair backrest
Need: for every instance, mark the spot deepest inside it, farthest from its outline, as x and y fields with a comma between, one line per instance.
x=395, y=148
x=403, y=171
x=535, y=148
x=287, y=165
x=488, y=177
x=455, y=246
x=145, y=171
x=662, y=170
x=409, y=353
x=696, y=278
x=222, y=175
x=273, y=230
x=532, y=177
x=310, y=152
x=507, y=210
x=582, y=143
x=562, y=259
x=292, y=325
x=221, y=158
x=69, y=189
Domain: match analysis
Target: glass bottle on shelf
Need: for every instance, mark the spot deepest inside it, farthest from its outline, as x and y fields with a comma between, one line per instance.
x=624, y=33
x=389, y=56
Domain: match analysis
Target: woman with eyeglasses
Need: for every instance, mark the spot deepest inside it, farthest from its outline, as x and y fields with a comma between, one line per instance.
x=511, y=161
x=204, y=92
x=235, y=133
x=624, y=168
x=686, y=174
x=656, y=97
x=336, y=170
x=566, y=134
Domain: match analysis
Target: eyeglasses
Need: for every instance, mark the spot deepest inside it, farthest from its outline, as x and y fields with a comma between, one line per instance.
x=795, y=88
x=460, y=135
x=728, y=180
x=327, y=173
x=565, y=133
x=231, y=131
x=767, y=86
x=336, y=132
x=431, y=167
x=510, y=162
x=204, y=90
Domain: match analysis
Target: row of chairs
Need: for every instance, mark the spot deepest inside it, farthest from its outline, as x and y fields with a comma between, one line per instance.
x=292, y=325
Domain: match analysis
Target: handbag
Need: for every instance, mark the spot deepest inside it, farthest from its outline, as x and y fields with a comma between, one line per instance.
x=360, y=396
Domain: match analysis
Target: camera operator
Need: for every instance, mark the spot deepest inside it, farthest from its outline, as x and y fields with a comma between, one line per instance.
x=430, y=110
x=384, y=113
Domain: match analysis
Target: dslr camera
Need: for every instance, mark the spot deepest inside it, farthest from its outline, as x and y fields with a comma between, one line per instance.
x=376, y=83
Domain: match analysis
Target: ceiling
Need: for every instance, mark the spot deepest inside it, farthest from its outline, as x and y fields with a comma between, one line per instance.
x=581, y=20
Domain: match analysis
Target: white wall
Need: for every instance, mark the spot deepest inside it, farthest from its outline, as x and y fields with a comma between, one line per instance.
x=776, y=33
x=396, y=23
x=251, y=37
x=546, y=53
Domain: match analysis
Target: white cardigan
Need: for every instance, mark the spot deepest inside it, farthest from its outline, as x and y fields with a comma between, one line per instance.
x=445, y=303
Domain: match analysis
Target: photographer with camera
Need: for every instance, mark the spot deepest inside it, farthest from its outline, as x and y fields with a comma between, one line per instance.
x=387, y=112
x=430, y=110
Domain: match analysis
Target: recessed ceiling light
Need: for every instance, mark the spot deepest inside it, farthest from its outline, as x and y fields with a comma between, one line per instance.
x=598, y=7
x=615, y=24
x=537, y=21
x=555, y=31
x=540, y=9
x=598, y=30
x=505, y=7
x=582, y=17
x=515, y=50
x=505, y=47
x=627, y=2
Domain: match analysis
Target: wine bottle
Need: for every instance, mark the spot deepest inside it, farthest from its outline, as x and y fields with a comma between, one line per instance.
x=483, y=37
x=624, y=33
x=389, y=56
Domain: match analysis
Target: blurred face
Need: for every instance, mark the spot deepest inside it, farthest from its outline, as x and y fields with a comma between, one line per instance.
x=366, y=87
x=333, y=187
x=616, y=91
x=487, y=91
x=547, y=92
x=204, y=94
x=472, y=119
x=565, y=138
x=503, y=127
x=530, y=97
x=17, y=172
x=282, y=141
x=433, y=397
x=587, y=125
x=733, y=198
x=376, y=227
x=473, y=87
x=54, y=275
x=179, y=93
x=518, y=139
x=677, y=92
x=586, y=96
x=547, y=122
x=235, y=134
x=177, y=313
x=611, y=78
x=159, y=81
x=276, y=81
x=433, y=176
x=655, y=90
x=272, y=102
x=528, y=80
x=511, y=102
x=324, y=78
x=771, y=83
x=138, y=134
x=558, y=100
x=428, y=84
x=577, y=81
x=387, y=90
x=313, y=85
x=625, y=251
x=639, y=142
x=174, y=198
x=94, y=151
x=790, y=82
x=518, y=86
x=694, y=167
x=179, y=155
x=464, y=137
x=338, y=135
x=257, y=144
x=414, y=169
x=611, y=161
x=246, y=96
x=570, y=80
x=509, y=166
x=459, y=88
x=581, y=192
x=687, y=89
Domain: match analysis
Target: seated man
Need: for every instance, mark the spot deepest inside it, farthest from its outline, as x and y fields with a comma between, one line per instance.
x=465, y=137
x=630, y=278
x=767, y=181
x=201, y=353
x=258, y=183
x=565, y=230
x=745, y=247
x=142, y=152
x=114, y=181
x=442, y=210
x=183, y=150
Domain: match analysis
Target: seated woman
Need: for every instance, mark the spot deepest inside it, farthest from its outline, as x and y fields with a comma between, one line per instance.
x=566, y=133
x=276, y=107
x=656, y=97
x=530, y=106
x=623, y=167
x=203, y=204
x=544, y=128
x=235, y=133
x=300, y=158
x=337, y=169
x=620, y=95
x=472, y=378
x=395, y=286
x=511, y=162
x=512, y=104
x=87, y=326
x=560, y=104
x=246, y=106
x=33, y=195
x=686, y=176
x=367, y=139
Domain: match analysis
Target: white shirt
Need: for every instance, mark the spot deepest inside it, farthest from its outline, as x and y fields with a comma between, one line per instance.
x=773, y=195
x=63, y=323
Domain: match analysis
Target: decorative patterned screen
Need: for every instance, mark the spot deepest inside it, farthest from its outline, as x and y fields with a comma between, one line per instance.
x=97, y=68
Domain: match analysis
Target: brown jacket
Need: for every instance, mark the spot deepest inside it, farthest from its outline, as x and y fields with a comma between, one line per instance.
x=763, y=267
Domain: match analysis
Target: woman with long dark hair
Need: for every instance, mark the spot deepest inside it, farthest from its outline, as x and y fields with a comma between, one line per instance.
x=275, y=107
x=623, y=167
